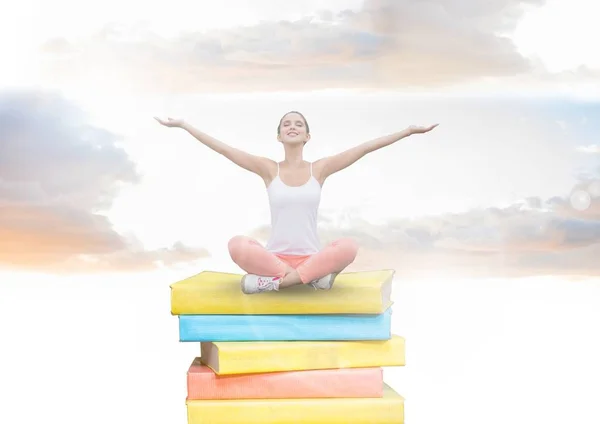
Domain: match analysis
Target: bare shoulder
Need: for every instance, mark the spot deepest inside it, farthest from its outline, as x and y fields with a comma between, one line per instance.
x=319, y=170
x=269, y=168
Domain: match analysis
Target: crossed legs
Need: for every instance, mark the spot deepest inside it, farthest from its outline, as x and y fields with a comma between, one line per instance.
x=253, y=258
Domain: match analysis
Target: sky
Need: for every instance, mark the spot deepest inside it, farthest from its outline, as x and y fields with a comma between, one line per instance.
x=516, y=146
x=95, y=195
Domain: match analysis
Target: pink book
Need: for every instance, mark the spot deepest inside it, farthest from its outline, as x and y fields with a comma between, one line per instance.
x=203, y=383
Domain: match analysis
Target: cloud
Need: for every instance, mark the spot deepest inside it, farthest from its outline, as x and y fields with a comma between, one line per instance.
x=385, y=44
x=591, y=149
x=517, y=240
x=582, y=203
x=532, y=204
x=58, y=174
x=529, y=238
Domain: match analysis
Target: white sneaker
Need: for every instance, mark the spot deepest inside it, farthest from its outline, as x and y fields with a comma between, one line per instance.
x=324, y=283
x=256, y=283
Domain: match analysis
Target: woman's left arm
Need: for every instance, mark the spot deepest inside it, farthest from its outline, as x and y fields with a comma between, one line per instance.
x=332, y=164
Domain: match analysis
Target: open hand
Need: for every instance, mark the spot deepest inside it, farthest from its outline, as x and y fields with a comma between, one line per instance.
x=170, y=122
x=414, y=129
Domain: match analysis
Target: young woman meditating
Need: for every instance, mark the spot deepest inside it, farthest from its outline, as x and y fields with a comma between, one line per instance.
x=293, y=254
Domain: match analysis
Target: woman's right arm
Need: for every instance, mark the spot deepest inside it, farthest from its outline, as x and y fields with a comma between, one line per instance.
x=256, y=164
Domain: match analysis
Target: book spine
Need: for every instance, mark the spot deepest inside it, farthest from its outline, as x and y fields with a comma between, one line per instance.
x=345, y=383
x=219, y=328
x=294, y=356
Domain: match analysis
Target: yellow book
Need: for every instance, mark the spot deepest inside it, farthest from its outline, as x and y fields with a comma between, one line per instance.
x=388, y=409
x=210, y=292
x=256, y=357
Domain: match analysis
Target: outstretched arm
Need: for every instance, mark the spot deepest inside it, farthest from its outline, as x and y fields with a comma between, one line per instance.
x=250, y=162
x=332, y=164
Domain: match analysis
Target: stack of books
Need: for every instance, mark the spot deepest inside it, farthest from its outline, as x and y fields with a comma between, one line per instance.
x=297, y=355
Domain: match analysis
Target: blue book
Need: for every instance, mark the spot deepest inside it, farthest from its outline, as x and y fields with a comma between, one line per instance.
x=242, y=328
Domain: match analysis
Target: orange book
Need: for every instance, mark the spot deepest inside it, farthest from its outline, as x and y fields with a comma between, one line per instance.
x=204, y=383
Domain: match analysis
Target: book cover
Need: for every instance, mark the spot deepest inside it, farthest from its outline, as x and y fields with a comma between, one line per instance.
x=210, y=292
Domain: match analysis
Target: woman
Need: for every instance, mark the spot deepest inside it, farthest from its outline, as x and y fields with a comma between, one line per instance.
x=293, y=254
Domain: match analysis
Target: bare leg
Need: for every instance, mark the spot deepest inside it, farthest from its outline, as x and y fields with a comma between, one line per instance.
x=266, y=269
x=253, y=258
x=288, y=270
x=334, y=258
x=291, y=279
x=324, y=266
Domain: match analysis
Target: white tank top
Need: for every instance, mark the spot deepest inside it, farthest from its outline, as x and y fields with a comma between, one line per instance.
x=294, y=213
